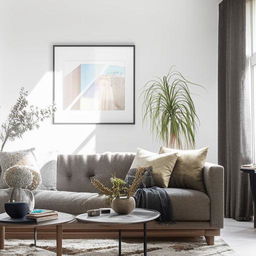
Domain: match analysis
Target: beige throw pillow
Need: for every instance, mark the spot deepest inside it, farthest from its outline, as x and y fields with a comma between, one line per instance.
x=162, y=165
x=188, y=170
x=9, y=159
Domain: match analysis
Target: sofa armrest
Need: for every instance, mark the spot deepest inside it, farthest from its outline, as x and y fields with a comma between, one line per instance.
x=214, y=183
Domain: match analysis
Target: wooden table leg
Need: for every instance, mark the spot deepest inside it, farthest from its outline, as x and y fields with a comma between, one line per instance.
x=59, y=240
x=35, y=236
x=2, y=237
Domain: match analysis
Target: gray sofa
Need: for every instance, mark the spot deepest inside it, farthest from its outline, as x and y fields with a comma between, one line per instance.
x=196, y=213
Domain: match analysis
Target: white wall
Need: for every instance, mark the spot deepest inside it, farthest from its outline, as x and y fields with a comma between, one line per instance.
x=165, y=32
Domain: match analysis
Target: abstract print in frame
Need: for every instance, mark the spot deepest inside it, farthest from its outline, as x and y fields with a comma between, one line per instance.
x=94, y=84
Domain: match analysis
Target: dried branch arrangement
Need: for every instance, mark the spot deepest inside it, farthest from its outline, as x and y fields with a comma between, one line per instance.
x=119, y=187
x=23, y=117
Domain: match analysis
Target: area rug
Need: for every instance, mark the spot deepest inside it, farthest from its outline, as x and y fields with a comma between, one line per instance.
x=100, y=247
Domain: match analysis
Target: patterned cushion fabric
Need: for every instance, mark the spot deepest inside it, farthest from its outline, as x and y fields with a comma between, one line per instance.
x=9, y=159
x=188, y=170
x=147, y=180
x=162, y=165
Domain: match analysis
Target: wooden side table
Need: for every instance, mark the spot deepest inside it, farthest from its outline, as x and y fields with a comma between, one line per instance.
x=252, y=173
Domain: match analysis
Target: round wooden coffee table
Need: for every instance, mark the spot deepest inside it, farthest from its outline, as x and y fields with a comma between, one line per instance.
x=135, y=217
x=62, y=218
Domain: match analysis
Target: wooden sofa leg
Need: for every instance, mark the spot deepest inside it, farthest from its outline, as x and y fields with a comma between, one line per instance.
x=209, y=240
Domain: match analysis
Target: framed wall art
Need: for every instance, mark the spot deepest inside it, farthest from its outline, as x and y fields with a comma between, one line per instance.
x=94, y=84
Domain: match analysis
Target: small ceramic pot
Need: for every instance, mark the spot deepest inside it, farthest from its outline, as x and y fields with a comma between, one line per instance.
x=16, y=210
x=123, y=205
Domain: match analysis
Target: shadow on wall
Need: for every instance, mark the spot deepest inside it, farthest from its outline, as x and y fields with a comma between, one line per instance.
x=58, y=138
x=84, y=143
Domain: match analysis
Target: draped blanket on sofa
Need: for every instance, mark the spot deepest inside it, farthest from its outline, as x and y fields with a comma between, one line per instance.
x=155, y=198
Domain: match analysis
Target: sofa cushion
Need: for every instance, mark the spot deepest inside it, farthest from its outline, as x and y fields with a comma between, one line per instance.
x=9, y=159
x=69, y=202
x=74, y=172
x=188, y=170
x=162, y=165
x=147, y=180
x=49, y=175
x=189, y=204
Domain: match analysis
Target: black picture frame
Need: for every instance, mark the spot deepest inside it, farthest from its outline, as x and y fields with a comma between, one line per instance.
x=96, y=45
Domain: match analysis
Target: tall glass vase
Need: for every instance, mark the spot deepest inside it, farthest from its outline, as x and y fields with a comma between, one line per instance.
x=23, y=195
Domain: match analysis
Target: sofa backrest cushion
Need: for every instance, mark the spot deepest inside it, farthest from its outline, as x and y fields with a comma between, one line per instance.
x=75, y=171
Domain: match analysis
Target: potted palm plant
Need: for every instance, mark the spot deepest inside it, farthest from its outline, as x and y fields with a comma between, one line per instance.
x=170, y=109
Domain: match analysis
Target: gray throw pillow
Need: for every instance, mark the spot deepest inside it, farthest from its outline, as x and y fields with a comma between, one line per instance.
x=147, y=180
x=49, y=175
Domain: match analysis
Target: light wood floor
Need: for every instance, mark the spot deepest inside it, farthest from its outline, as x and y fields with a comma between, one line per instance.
x=241, y=236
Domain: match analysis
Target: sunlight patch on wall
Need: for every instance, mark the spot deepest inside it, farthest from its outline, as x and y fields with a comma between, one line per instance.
x=57, y=139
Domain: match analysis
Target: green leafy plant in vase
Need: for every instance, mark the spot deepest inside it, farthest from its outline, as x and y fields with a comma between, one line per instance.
x=121, y=194
x=170, y=109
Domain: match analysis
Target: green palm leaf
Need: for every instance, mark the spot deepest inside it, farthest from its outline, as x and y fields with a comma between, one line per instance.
x=170, y=109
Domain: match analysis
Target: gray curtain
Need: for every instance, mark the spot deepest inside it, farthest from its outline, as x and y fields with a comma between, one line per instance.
x=234, y=124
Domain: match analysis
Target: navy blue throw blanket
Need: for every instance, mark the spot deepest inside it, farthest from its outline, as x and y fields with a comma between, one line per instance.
x=155, y=198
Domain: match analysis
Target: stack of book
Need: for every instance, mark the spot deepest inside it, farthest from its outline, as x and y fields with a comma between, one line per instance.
x=42, y=215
